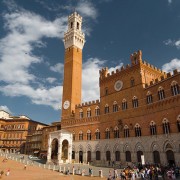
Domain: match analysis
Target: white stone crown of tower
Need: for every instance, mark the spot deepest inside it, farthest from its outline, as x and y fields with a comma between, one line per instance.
x=74, y=35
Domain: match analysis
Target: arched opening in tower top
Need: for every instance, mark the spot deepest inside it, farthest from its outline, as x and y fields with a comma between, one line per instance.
x=71, y=24
x=77, y=25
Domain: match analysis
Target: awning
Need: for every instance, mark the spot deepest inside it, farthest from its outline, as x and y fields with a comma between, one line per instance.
x=36, y=152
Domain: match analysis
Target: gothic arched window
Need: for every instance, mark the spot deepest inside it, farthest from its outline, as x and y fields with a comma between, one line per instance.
x=80, y=135
x=106, y=110
x=107, y=134
x=97, y=133
x=161, y=93
x=124, y=104
x=116, y=132
x=166, y=127
x=153, y=128
x=115, y=106
x=88, y=135
x=88, y=112
x=174, y=88
x=97, y=111
x=126, y=131
x=149, y=97
x=81, y=114
x=135, y=102
x=137, y=130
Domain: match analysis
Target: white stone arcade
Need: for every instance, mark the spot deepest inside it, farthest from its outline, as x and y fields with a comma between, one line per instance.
x=63, y=146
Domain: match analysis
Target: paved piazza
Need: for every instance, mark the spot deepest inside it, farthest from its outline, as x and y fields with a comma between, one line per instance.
x=34, y=172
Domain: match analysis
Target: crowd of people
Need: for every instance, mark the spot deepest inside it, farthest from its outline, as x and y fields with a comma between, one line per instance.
x=146, y=172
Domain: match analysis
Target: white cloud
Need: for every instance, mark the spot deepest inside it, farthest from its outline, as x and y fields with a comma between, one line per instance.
x=90, y=79
x=5, y=108
x=25, y=31
x=42, y=96
x=173, y=64
x=169, y=1
x=173, y=43
x=51, y=79
x=114, y=68
x=87, y=9
x=59, y=67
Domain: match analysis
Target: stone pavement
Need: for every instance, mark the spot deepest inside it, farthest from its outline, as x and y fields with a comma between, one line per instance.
x=17, y=172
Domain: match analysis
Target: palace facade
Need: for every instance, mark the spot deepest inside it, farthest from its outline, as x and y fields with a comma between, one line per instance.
x=136, y=119
x=14, y=131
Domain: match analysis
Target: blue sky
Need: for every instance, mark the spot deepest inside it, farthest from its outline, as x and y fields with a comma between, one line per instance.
x=32, y=50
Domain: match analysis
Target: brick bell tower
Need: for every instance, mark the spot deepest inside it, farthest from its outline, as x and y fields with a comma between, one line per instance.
x=74, y=40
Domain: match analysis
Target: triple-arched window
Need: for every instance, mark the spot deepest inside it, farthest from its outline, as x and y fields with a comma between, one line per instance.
x=135, y=102
x=153, y=128
x=106, y=109
x=161, y=93
x=126, y=131
x=97, y=111
x=166, y=127
x=115, y=106
x=81, y=113
x=97, y=134
x=149, y=98
x=107, y=133
x=88, y=112
x=88, y=135
x=137, y=130
x=124, y=104
x=116, y=132
x=174, y=88
x=80, y=135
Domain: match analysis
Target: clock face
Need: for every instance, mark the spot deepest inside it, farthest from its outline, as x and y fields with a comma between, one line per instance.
x=118, y=85
x=66, y=104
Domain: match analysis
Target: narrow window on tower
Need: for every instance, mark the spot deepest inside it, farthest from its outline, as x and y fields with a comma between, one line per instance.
x=71, y=25
x=77, y=25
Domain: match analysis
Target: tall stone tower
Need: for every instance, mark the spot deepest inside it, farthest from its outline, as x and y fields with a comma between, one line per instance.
x=74, y=40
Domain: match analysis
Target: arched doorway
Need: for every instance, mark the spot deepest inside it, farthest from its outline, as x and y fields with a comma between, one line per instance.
x=156, y=157
x=89, y=156
x=139, y=154
x=117, y=156
x=64, y=156
x=170, y=157
x=108, y=156
x=54, y=153
x=128, y=156
x=81, y=156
